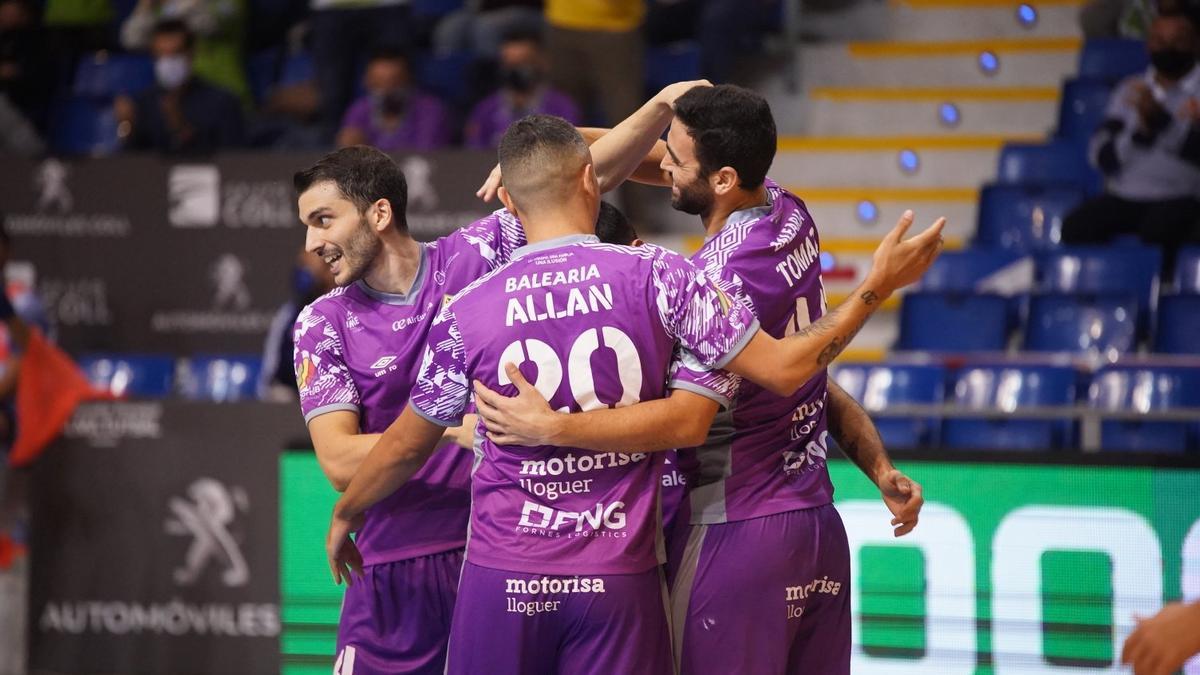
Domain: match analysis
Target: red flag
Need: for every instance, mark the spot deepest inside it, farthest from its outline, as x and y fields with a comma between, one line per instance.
x=49, y=387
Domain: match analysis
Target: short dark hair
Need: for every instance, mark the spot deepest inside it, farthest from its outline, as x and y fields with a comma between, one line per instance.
x=534, y=152
x=363, y=175
x=732, y=127
x=522, y=35
x=389, y=53
x=612, y=227
x=175, y=27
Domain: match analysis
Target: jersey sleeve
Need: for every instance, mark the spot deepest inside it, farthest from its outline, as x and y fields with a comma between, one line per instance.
x=493, y=238
x=707, y=320
x=442, y=392
x=688, y=374
x=321, y=374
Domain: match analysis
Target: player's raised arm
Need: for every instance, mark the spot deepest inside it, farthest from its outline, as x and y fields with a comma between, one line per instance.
x=632, y=149
x=783, y=366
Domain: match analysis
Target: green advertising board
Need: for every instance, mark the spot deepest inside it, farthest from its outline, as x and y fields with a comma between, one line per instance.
x=1014, y=568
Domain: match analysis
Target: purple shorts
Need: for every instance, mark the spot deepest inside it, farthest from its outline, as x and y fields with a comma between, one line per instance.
x=397, y=617
x=525, y=624
x=777, y=587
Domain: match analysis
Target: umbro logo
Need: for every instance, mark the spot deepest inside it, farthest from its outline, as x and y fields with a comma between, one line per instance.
x=383, y=362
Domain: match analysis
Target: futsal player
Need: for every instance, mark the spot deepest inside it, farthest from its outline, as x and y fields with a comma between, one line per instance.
x=759, y=486
x=564, y=552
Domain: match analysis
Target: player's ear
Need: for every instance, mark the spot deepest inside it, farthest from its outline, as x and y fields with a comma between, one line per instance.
x=383, y=216
x=591, y=184
x=507, y=200
x=724, y=180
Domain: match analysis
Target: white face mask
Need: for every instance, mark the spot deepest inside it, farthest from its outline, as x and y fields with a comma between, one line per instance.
x=172, y=71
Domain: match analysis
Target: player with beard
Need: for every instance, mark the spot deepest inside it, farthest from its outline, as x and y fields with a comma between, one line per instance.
x=562, y=564
x=758, y=487
x=357, y=355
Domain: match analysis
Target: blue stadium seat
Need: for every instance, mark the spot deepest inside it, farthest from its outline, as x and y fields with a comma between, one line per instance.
x=262, y=70
x=1009, y=388
x=1057, y=162
x=297, y=68
x=1081, y=109
x=103, y=75
x=220, y=378
x=676, y=62
x=965, y=270
x=446, y=76
x=1112, y=59
x=1024, y=217
x=1144, y=389
x=1082, y=324
x=83, y=126
x=131, y=375
x=1187, y=270
x=1178, y=330
x=877, y=386
x=1103, y=270
x=948, y=322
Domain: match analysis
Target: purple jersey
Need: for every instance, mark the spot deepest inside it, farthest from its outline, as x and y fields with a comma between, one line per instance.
x=358, y=349
x=591, y=325
x=765, y=453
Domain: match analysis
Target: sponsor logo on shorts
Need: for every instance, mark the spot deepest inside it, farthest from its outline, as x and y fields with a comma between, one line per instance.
x=605, y=520
x=799, y=594
x=544, y=586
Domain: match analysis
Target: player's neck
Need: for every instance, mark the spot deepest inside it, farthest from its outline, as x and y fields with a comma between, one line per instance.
x=396, y=267
x=554, y=224
x=739, y=200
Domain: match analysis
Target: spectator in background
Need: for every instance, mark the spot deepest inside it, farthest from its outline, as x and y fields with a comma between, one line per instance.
x=596, y=53
x=1148, y=148
x=183, y=113
x=311, y=279
x=25, y=76
x=342, y=32
x=481, y=26
x=523, y=91
x=219, y=27
x=1115, y=18
x=395, y=114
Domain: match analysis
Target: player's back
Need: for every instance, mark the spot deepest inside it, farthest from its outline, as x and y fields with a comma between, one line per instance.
x=766, y=453
x=585, y=323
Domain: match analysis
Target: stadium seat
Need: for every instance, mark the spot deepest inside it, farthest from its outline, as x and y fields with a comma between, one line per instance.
x=1082, y=108
x=1024, y=217
x=297, y=68
x=1178, y=330
x=1187, y=271
x=1009, y=388
x=262, y=70
x=1112, y=59
x=83, y=126
x=103, y=75
x=1104, y=325
x=878, y=386
x=950, y=322
x=220, y=378
x=977, y=269
x=676, y=62
x=1103, y=270
x=131, y=375
x=1145, y=389
x=1058, y=162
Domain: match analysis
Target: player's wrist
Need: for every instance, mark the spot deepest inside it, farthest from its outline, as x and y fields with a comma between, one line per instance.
x=874, y=289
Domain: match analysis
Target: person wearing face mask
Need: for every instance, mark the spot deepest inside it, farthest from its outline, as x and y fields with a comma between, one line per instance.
x=394, y=114
x=1148, y=149
x=524, y=91
x=183, y=113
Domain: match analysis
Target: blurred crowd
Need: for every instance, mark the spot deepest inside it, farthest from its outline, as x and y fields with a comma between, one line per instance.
x=193, y=76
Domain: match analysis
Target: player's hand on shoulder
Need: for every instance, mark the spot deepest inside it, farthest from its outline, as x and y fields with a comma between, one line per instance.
x=898, y=262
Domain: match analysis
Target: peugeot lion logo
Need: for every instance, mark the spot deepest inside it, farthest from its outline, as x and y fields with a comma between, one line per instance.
x=51, y=181
x=418, y=171
x=229, y=279
x=207, y=518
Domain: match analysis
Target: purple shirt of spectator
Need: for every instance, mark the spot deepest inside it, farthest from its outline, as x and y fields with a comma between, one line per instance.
x=491, y=116
x=425, y=124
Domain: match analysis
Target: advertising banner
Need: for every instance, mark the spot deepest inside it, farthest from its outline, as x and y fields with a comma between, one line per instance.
x=154, y=540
